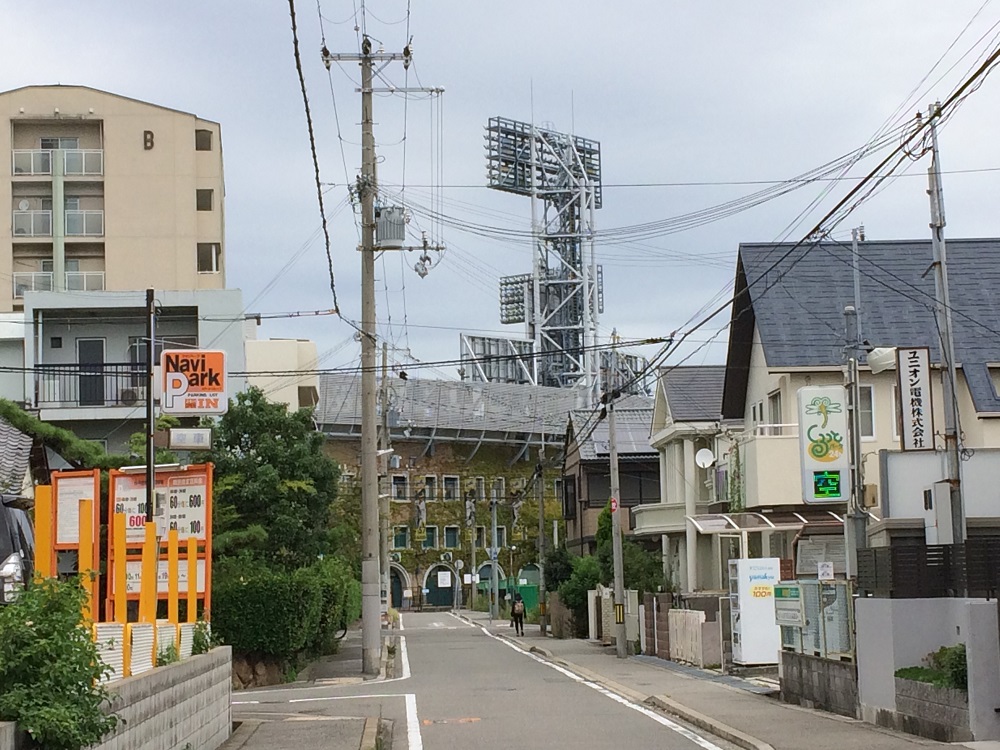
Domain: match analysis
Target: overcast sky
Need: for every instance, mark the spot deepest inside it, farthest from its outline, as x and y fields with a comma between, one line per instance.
x=676, y=92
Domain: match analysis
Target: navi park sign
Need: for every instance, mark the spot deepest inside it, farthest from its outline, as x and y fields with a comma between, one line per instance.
x=194, y=382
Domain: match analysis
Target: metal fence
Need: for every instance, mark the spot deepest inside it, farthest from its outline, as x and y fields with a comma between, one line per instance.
x=108, y=384
x=927, y=571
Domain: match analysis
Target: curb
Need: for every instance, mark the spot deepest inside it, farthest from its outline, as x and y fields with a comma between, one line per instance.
x=369, y=736
x=242, y=734
x=726, y=732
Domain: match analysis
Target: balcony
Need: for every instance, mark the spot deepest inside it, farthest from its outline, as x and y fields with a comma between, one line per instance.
x=657, y=518
x=771, y=468
x=41, y=281
x=78, y=162
x=32, y=223
x=84, y=223
x=80, y=385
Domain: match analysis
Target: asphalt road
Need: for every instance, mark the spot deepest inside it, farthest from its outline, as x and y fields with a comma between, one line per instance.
x=462, y=687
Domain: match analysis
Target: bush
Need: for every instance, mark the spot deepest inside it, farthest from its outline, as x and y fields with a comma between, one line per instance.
x=267, y=612
x=50, y=669
x=946, y=667
x=573, y=592
x=341, y=602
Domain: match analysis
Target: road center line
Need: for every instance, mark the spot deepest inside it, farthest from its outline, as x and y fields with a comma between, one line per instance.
x=658, y=718
x=413, y=739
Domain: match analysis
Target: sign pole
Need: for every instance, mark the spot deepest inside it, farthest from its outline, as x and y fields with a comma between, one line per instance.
x=150, y=410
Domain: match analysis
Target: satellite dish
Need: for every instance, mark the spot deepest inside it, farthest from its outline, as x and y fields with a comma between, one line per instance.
x=23, y=205
x=704, y=458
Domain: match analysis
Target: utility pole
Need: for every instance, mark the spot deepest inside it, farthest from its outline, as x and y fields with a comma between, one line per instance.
x=470, y=499
x=621, y=648
x=383, y=495
x=855, y=251
x=856, y=527
x=945, y=331
x=494, y=558
x=540, y=495
x=150, y=406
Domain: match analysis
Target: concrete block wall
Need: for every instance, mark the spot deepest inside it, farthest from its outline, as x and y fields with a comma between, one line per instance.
x=187, y=703
x=658, y=629
x=820, y=683
x=183, y=705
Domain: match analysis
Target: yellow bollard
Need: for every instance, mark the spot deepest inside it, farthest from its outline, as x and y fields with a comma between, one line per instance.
x=192, y=582
x=43, y=531
x=85, y=556
x=120, y=570
x=148, y=585
x=173, y=576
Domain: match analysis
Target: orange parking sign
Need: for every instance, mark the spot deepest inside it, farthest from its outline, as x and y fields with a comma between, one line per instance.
x=194, y=382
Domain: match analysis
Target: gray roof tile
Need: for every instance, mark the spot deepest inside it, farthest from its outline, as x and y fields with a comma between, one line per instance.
x=694, y=394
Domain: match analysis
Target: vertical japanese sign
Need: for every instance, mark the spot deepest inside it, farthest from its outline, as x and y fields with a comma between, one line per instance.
x=916, y=415
x=824, y=457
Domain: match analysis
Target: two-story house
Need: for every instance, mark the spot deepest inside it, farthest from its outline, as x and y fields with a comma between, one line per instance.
x=788, y=331
x=587, y=468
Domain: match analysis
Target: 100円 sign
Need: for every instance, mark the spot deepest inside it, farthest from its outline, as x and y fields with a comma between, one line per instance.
x=183, y=502
x=193, y=382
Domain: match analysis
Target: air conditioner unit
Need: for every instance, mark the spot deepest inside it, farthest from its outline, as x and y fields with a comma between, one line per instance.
x=132, y=396
x=446, y=557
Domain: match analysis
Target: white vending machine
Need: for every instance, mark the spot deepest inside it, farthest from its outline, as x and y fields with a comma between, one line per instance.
x=756, y=636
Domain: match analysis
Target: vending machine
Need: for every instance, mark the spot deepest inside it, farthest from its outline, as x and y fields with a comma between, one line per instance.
x=756, y=636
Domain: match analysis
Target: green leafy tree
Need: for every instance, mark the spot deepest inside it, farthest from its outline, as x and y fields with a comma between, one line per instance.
x=558, y=567
x=49, y=668
x=573, y=591
x=642, y=569
x=274, y=486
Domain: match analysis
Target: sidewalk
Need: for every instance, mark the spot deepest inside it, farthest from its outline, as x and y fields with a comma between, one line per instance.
x=741, y=716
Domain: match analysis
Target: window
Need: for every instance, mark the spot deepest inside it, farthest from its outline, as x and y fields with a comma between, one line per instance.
x=401, y=537
x=569, y=497
x=557, y=489
x=209, y=255
x=70, y=203
x=137, y=347
x=399, y=493
x=203, y=198
x=346, y=477
x=481, y=537
x=55, y=143
x=430, y=483
x=501, y=537
x=450, y=488
x=56, y=342
x=480, y=488
x=753, y=414
x=72, y=265
x=895, y=412
x=431, y=540
x=500, y=485
x=867, y=411
x=202, y=140
x=774, y=408
x=451, y=537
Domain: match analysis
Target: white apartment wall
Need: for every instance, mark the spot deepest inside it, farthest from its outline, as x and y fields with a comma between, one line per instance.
x=908, y=474
x=273, y=355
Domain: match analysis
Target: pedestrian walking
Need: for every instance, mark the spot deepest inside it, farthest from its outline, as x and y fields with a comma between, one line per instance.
x=517, y=612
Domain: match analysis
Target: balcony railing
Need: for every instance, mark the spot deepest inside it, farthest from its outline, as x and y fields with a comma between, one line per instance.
x=37, y=281
x=82, y=385
x=41, y=281
x=84, y=223
x=85, y=281
x=77, y=162
x=32, y=223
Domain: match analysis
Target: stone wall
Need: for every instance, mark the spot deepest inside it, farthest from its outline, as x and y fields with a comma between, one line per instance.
x=926, y=710
x=183, y=705
x=820, y=683
x=560, y=617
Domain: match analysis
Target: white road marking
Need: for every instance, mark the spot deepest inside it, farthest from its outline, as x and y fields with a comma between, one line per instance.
x=406, y=661
x=683, y=731
x=464, y=622
x=413, y=739
x=401, y=621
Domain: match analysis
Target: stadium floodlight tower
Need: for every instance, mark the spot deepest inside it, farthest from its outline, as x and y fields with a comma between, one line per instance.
x=561, y=299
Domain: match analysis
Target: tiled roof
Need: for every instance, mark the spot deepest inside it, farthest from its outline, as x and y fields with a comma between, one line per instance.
x=694, y=394
x=633, y=419
x=798, y=303
x=15, y=453
x=451, y=405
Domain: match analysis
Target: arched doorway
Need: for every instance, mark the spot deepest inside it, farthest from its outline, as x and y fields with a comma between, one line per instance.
x=439, y=596
x=396, y=586
x=529, y=573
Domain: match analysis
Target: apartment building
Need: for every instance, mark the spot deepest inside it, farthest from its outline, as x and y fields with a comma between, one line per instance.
x=107, y=193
